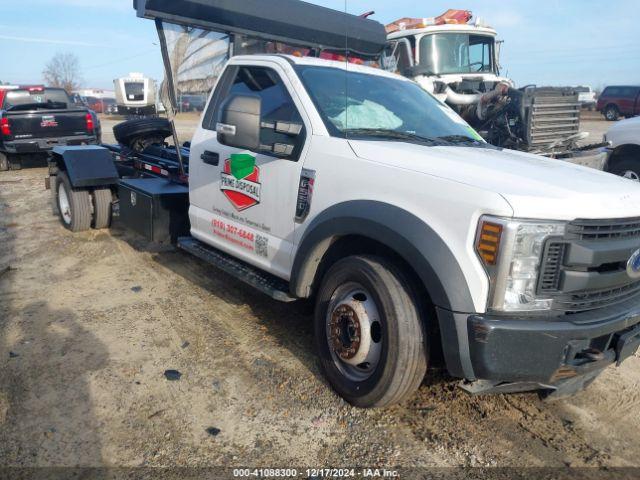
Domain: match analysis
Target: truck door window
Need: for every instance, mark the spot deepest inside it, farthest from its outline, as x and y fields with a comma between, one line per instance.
x=397, y=56
x=277, y=104
x=479, y=54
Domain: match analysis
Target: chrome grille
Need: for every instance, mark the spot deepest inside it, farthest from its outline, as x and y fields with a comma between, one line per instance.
x=557, y=257
x=579, y=302
x=604, y=229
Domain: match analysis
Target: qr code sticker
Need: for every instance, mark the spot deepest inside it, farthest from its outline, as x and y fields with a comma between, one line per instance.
x=262, y=246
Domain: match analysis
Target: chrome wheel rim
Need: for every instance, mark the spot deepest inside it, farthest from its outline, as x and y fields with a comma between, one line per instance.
x=354, y=332
x=631, y=175
x=63, y=204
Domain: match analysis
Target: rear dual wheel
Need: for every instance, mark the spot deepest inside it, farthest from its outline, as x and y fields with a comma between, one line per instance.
x=9, y=162
x=81, y=209
x=102, y=200
x=369, y=334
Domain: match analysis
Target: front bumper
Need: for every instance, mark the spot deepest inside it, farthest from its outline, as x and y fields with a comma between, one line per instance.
x=596, y=158
x=44, y=145
x=563, y=353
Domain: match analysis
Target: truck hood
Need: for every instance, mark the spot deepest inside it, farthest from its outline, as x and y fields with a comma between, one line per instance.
x=534, y=186
x=625, y=132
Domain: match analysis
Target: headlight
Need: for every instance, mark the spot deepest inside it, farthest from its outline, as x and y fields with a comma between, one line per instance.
x=511, y=251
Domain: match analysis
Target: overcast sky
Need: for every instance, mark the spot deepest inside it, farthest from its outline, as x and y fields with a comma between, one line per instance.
x=547, y=42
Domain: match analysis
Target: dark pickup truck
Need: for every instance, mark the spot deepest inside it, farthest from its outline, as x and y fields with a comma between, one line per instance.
x=33, y=120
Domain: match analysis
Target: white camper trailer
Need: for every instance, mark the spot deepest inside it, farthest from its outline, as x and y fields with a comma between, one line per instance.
x=136, y=95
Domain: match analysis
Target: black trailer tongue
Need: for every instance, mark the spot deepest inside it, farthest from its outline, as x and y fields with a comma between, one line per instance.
x=289, y=21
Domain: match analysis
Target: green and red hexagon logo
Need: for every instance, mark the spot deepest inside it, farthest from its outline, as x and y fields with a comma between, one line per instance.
x=240, y=181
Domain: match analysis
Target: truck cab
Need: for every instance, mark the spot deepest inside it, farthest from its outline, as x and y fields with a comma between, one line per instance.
x=457, y=59
x=461, y=56
x=322, y=173
x=355, y=188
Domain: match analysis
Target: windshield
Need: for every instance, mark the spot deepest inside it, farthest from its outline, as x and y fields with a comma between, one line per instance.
x=16, y=98
x=134, y=91
x=350, y=101
x=443, y=53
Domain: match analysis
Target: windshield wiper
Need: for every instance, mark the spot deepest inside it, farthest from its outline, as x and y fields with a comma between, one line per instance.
x=463, y=139
x=392, y=134
x=35, y=106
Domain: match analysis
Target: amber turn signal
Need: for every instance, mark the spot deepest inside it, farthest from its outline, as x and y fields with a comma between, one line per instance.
x=488, y=242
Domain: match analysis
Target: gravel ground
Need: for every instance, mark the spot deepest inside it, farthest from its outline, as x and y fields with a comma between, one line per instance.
x=90, y=322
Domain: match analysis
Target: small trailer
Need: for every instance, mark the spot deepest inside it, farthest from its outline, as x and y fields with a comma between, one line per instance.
x=136, y=95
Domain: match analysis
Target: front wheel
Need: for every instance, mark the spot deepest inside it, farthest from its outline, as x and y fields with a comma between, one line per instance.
x=368, y=332
x=627, y=168
x=611, y=113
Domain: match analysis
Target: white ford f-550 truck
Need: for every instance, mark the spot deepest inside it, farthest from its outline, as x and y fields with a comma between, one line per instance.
x=309, y=178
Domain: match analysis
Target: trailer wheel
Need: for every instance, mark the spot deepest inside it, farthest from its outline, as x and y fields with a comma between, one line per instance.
x=101, y=208
x=74, y=205
x=4, y=163
x=368, y=332
x=611, y=113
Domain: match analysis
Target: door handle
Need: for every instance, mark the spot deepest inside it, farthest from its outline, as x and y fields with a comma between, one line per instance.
x=210, y=158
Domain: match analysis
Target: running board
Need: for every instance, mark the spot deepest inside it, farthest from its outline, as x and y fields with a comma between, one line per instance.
x=273, y=286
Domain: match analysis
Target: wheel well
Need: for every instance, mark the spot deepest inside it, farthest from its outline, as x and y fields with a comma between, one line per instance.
x=611, y=105
x=623, y=152
x=348, y=245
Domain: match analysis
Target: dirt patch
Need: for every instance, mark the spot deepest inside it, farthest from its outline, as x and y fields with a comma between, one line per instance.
x=90, y=323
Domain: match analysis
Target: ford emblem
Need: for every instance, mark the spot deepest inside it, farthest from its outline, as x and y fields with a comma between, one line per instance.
x=633, y=265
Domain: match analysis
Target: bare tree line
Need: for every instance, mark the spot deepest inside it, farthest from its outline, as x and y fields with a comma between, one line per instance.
x=63, y=71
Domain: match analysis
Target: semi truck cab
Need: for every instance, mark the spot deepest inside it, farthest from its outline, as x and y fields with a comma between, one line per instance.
x=457, y=59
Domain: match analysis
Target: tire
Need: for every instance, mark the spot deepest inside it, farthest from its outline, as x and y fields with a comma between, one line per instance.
x=75, y=212
x=392, y=354
x=131, y=132
x=101, y=208
x=4, y=163
x=611, y=113
x=627, y=168
x=15, y=163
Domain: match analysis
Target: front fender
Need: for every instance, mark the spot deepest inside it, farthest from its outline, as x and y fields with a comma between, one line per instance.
x=417, y=243
x=410, y=237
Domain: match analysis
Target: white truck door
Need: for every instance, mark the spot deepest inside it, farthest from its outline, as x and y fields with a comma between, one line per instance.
x=244, y=208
